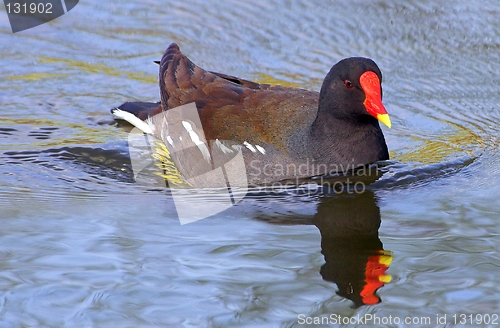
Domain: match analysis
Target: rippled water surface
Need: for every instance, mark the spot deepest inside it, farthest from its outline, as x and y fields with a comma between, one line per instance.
x=82, y=244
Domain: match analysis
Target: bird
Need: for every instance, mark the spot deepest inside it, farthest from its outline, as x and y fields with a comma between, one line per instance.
x=277, y=133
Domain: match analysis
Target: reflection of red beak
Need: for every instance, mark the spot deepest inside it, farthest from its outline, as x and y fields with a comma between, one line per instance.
x=373, y=103
x=375, y=276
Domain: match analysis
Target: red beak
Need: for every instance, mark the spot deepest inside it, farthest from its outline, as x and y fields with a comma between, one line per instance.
x=370, y=84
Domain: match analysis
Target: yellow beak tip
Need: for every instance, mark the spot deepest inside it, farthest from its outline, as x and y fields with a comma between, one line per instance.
x=385, y=278
x=384, y=118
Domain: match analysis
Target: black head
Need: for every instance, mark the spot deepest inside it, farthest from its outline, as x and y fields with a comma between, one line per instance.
x=350, y=108
x=343, y=94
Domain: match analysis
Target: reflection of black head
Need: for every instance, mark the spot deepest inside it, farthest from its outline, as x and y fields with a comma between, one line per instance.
x=349, y=242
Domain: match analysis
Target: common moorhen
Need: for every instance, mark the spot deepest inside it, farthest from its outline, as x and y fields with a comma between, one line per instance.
x=281, y=132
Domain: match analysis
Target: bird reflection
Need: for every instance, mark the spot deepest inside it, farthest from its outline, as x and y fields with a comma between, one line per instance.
x=354, y=255
x=348, y=221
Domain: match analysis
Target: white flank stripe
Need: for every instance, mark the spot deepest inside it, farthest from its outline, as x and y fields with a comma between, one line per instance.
x=249, y=146
x=225, y=150
x=262, y=150
x=197, y=141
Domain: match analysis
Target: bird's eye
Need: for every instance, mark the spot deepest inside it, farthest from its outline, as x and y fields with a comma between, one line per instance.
x=348, y=84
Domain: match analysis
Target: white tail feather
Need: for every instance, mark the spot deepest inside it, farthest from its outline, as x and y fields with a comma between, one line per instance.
x=134, y=120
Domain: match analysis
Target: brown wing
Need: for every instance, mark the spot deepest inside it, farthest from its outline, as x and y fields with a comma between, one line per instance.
x=243, y=82
x=231, y=108
x=237, y=80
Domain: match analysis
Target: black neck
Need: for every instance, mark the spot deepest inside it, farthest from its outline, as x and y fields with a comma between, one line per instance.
x=357, y=142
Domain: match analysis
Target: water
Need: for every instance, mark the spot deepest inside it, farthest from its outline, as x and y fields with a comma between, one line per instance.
x=82, y=244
